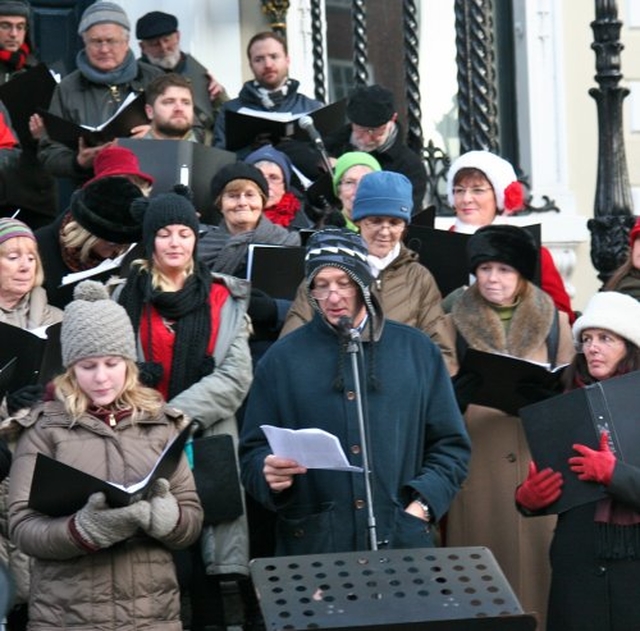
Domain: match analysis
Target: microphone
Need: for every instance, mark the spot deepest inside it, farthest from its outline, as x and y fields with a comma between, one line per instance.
x=306, y=123
x=345, y=326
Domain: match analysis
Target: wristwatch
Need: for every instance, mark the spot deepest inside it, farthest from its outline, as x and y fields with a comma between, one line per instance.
x=424, y=506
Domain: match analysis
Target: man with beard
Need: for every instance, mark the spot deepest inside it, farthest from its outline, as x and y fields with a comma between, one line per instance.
x=170, y=108
x=374, y=129
x=271, y=89
x=159, y=40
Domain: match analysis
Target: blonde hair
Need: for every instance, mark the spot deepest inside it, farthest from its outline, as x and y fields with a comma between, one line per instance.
x=75, y=236
x=134, y=396
x=158, y=279
x=23, y=244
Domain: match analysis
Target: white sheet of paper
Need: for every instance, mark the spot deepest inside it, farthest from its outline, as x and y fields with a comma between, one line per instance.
x=312, y=448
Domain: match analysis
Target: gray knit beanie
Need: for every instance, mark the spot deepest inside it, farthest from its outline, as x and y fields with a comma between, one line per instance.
x=93, y=325
x=103, y=12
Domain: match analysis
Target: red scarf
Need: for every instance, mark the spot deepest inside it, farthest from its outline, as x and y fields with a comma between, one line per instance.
x=284, y=211
x=16, y=59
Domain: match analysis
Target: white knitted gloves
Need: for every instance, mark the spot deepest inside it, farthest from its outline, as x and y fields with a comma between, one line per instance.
x=100, y=526
x=165, y=511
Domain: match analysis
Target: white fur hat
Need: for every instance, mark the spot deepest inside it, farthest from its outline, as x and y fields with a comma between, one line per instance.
x=611, y=310
x=508, y=191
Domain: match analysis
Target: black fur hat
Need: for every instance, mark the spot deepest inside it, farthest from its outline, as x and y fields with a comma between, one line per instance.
x=103, y=208
x=504, y=244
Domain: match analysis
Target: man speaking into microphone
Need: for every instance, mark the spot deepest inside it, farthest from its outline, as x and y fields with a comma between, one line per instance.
x=416, y=445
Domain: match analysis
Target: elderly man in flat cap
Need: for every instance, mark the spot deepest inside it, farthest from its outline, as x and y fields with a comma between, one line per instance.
x=159, y=40
x=107, y=72
x=373, y=127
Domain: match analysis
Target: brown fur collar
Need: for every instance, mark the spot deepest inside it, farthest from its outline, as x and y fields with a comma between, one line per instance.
x=481, y=327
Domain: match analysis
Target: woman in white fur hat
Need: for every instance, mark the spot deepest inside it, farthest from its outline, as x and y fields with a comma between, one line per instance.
x=483, y=188
x=595, y=552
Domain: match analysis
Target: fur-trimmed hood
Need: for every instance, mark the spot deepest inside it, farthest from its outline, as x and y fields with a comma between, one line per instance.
x=480, y=324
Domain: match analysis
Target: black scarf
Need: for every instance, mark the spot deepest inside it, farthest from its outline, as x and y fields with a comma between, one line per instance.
x=190, y=311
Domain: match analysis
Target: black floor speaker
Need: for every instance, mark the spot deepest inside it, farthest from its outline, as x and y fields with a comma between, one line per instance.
x=442, y=589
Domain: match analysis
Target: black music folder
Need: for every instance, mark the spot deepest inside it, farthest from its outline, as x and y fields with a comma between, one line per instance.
x=502, y=377
x=443, y=253
x=130, y=114
x=277, y=270
x=580, y=416
x=38, y=355
x=58, y=489
x=242, y=128
x=174, y=162
x=25, y=94
x=215, y=471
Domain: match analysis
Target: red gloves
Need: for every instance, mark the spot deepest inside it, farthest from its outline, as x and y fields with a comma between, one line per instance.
x=592, y=465
x=540, y=489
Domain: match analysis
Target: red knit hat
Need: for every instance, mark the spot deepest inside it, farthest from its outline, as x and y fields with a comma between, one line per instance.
x=120, y=161
x=635, y=232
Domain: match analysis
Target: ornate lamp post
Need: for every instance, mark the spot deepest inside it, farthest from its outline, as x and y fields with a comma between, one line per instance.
x=613, y=207
x=276, y=11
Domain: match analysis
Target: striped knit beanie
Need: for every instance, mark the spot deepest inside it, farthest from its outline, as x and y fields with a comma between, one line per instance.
x=12, y=228
x=341, y=248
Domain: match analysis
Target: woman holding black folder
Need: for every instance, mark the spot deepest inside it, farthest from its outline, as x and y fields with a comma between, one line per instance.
x=103, y=567
x=595, y=552
x=504, y=312
x=23, y=304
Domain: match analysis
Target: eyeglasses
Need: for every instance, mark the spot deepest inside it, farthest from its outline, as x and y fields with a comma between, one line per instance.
x=349, y=183
x=378, y=223
x=343, y=291
x=374, y=132
x=236, y=195
x=474, y=191
x=111, y=42
x=601, y=339
x=9, y=26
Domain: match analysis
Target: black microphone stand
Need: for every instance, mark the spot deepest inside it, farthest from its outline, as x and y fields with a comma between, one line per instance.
x=354, y=348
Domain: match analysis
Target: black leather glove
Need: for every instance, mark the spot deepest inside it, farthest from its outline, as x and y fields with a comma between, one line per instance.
x=465, y=386
x=262, y=309
x=5, y=459
x=24, y=397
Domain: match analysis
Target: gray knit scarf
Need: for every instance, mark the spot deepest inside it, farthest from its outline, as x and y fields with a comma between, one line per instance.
x=126, y=72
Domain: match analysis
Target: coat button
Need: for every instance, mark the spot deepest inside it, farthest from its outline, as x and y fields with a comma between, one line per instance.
x=351, y=395
x=360, y=504
x=511, y=457
x=601, y=570
x=355, y=449
x=298, y=533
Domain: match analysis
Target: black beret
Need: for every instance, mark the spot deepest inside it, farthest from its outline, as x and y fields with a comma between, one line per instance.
x=237, y=171
x=504, y=244
x=370, y=106
x=156, y=24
